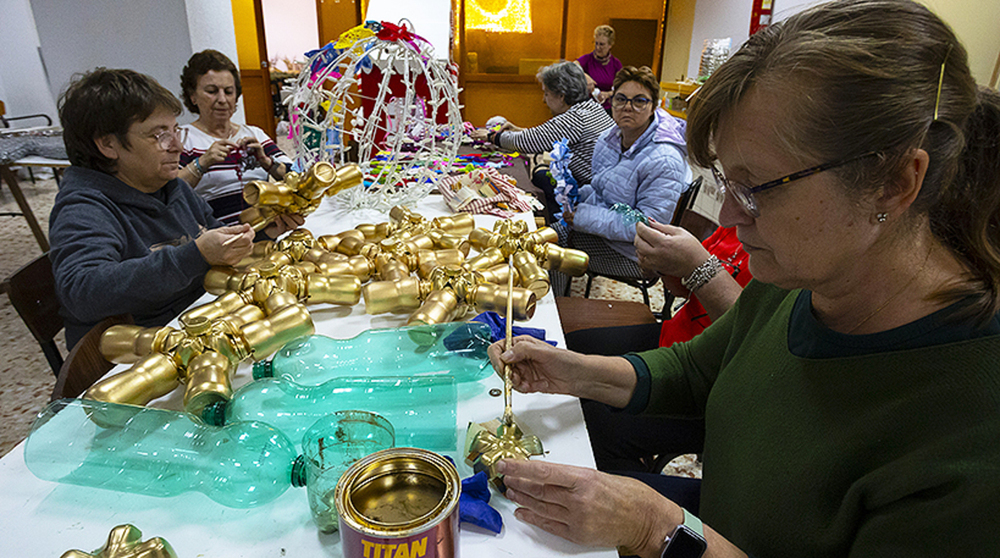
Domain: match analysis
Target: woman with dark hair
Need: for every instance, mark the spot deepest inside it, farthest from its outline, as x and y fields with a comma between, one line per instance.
x=851, y=395
x=127, y=236
x=219, y=155
x=641, y=162
x=575, y=117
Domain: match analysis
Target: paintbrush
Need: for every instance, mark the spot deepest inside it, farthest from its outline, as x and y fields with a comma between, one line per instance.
x=508, y=387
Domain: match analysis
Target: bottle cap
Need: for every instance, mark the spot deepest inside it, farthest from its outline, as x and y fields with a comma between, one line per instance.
x=214, y=414
x=263, y=369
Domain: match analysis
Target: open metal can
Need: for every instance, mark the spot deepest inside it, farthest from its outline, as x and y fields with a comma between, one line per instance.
x=399, y=502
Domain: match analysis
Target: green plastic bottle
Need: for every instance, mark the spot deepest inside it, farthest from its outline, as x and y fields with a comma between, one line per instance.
x=457, y=349
x=422, y=409
x=160, y=453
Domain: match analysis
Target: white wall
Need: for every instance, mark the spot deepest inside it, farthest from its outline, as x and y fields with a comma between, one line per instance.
x=718, y=19
x=24, y=88
x=290, y=29
x=155, y=37
x=431, y=19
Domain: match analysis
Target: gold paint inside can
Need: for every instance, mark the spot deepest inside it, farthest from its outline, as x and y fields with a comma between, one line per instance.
x=398, y=492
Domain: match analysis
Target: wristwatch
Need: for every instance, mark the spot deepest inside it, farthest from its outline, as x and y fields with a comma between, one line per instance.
x=687, y=539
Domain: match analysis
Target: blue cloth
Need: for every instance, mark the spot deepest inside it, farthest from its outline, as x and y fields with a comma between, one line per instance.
x=498, y=326
x=474, y=504
x=648, y=177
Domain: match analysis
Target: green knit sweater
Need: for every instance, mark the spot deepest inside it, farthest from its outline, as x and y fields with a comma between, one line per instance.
x=891, y=454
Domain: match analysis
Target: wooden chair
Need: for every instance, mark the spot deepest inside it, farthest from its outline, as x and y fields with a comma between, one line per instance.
x=85, y=363
x=32, y=292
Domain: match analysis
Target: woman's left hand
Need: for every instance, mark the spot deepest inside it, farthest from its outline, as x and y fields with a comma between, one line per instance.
x=283, y=223
x=589, y=507
x=479, y=134
x=567, y=216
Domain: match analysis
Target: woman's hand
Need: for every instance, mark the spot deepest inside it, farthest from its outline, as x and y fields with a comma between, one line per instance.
x=216, y=153
x=226, y=245
x=604, y=96
x=479, y=134
x=668, y=250
x=283, y=223
x=567, y=216
x=589, y=507
x=536, y=366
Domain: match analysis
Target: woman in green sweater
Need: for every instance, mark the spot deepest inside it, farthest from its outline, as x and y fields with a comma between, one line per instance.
x=852, y=394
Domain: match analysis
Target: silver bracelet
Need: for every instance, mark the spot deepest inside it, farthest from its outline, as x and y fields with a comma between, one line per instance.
x=702, y=274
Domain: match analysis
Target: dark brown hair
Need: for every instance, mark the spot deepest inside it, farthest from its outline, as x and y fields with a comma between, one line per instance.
x=861, y=76
x=200, y=64
x=102, y=102
x=643, y=76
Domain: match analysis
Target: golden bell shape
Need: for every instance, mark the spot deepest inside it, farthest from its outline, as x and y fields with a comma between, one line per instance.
x=487, y=297
x=441, y=306
x=124, y=344
x=125, y=541
x=208, y=381
x=265, y=337
x=567, y=260
x=325, y=262
x=371, y=232
x=459, y=223
x=343, y=290
x=258, y=217
x=346, y=176
x=262, y=192
x=498, y=274
x=543, y=235
x=532, y=276
x=216, y=309
x=351, y=244
x=444, y=240
x=220, y=279
x=153, y=376
x=482, y=239
x=392, y=296
x=390, y=269
x=277, y=301
x=316, y=181
x=427, y=260
x=486, y=259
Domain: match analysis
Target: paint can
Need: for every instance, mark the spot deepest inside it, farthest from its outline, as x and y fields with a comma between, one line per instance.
x=399, y=503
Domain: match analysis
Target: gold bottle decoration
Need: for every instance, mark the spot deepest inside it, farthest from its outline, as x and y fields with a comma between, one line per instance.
x=125, y=541
x=298, y=193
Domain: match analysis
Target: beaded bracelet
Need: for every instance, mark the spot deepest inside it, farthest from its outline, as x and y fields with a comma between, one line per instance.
x=194, y=169
x=197, y=164
x=702, y=274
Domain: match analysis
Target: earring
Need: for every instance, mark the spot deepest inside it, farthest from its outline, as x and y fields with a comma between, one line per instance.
x=881, y=217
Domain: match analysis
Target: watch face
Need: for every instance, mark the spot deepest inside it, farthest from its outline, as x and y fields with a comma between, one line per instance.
x=684, y=543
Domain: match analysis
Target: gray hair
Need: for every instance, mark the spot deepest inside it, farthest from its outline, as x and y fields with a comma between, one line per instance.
x=566, y=79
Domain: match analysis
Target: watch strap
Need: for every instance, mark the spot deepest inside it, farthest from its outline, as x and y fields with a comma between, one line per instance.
x=692, y=522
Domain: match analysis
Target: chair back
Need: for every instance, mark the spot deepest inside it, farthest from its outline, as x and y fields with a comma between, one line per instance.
x=85, y=363
x=687, y=218
x=686, y=200
x=32, y=292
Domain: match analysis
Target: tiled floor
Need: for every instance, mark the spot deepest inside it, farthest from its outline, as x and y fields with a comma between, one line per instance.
x=26, y=381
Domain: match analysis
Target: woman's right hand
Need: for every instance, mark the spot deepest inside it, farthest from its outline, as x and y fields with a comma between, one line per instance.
x=226, y=245
x=216, y=153
x=668, y=250
x=535, y=365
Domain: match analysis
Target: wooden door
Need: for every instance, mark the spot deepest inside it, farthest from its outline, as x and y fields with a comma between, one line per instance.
x=258, y=100
x=636, y=41
x=336, y=16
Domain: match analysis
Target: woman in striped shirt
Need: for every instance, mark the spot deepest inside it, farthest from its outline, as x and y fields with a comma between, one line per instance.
x=575, y=117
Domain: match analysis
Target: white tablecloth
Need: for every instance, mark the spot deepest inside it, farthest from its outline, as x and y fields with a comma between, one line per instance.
x=40, y=518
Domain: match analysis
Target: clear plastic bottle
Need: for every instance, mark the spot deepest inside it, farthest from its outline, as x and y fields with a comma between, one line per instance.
x=160, y=453
x=422, y=409
x=456, y=349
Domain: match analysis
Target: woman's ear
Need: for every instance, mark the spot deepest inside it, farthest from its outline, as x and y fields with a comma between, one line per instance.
x=896, y=199
x=108, y=145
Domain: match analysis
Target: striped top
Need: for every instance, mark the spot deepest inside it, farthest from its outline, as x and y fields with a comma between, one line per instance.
x=222, y=184
x=581, y=125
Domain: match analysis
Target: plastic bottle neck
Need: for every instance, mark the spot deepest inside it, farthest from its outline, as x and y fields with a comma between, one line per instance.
x=214, y=414
x=263, y=369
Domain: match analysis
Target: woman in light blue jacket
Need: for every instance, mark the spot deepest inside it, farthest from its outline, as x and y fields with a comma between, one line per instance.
x=640, y=162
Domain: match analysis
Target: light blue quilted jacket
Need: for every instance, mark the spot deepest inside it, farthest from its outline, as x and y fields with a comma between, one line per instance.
x=650, y=176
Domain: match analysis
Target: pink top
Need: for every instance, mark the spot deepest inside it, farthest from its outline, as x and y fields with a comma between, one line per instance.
x=602, y=74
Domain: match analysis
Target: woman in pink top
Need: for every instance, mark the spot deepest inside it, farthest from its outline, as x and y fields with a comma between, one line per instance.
x=601, y=66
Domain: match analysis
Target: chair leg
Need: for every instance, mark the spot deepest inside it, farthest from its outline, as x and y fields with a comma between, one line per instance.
x=645, y=294
x=53, y=355
x=590, y=280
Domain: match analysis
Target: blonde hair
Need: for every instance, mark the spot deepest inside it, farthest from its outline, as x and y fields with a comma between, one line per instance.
x=605, y=31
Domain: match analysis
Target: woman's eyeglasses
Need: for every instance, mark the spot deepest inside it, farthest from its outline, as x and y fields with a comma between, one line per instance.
x=744, y=194
x=638, y=102
x=165, y=138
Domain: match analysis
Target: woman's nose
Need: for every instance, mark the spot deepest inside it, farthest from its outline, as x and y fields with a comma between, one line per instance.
x=732, y=213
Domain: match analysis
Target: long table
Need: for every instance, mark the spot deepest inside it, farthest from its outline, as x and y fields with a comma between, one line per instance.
x=41, y=518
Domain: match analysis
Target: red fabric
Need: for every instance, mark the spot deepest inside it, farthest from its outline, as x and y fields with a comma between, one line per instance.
x=692, y=319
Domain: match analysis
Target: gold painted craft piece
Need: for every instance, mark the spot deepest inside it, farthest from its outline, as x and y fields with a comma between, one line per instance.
x=125, y=541
x=297, y=194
